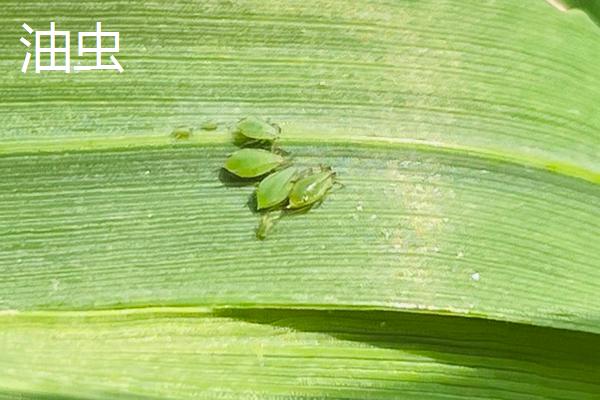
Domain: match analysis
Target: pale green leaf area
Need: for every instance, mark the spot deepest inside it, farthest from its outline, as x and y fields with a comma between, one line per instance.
x=466, y=136
x=284, y=354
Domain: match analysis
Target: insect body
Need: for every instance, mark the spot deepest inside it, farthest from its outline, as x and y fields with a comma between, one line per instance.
x=209, y=126
x=181, y=133
x=282, y=190
x=252, y=130
x=251, y=163
x=275, y=188
x=267, y=222
x=311, y=189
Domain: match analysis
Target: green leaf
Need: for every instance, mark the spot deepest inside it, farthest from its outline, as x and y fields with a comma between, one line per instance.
x=286, y=354
x=590, y=7
x=134, y=228
x=466, y=135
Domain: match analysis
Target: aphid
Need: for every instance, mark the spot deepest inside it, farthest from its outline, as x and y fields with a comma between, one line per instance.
x=251, y=163
x=181, y=133
x=311, y=189
x=209, y=126
x=275, y=188
x=252, y=130
x=267, y=222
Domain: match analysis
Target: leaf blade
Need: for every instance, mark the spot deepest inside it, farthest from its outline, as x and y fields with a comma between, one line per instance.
x=132, y=228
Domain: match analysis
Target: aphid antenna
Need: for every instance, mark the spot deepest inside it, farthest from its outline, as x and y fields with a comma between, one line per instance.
x=273, y=124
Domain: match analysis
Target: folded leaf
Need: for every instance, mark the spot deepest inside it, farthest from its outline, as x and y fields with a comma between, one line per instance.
x=282, y=354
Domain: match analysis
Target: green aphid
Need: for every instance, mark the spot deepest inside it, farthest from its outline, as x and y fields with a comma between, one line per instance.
x=182, y=133
x=311, y=189
x=251, y=163
x=266, y=224
x=209, y=126
x=275, y=188
x=252, y=130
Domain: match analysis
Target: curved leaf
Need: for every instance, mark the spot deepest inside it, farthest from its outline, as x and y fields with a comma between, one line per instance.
x=283, y=354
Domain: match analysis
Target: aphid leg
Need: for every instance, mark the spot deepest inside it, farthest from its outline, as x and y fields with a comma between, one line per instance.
x=339, y=184
x=278, y=150
x=318, y=203
x=252, y=143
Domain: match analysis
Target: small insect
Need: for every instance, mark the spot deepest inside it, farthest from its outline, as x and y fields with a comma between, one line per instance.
x=181, y=133
x=266, y=224
x=275, y=188
x=311, y=189
x=255, y=131
x=252, y=163
x=209, y=126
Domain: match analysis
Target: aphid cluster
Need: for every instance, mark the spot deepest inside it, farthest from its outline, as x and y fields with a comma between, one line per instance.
x=282, y=189
x=184, y=132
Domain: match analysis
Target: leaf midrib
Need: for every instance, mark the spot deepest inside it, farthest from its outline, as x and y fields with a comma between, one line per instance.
x=559, y=167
